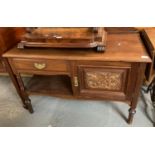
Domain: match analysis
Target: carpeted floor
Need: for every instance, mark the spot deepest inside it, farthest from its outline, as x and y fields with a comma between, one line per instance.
x=56, y=112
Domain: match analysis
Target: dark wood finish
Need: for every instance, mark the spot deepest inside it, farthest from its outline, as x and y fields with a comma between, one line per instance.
x=114, y=75
x=7, y=39
x=9, y=36
x=65, y=38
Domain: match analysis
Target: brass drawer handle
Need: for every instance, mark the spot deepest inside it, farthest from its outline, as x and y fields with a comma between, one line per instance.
x=39, y=65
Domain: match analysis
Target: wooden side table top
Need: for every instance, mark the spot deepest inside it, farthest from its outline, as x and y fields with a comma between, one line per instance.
x=120, y=47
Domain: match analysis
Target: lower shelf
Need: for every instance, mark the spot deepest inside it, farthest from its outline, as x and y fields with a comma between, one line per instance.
x=57, y=85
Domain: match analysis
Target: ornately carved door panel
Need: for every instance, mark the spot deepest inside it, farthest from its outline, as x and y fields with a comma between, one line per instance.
x=109, y=82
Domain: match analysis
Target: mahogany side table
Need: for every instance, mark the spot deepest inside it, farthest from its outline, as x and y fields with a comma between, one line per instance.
x=116, y=74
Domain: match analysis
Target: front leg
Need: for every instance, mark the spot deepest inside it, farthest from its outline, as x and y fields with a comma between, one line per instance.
x=27, y=101
x=132, y=112
x=139, y=68
x=20, y=90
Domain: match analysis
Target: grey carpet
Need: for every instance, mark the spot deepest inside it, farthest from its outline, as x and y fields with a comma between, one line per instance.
x=56, y=112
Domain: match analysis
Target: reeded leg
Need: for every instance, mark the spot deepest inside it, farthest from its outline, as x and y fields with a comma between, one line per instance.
x=131, y=115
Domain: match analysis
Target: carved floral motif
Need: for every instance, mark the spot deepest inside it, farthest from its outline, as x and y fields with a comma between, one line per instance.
x=103, y=80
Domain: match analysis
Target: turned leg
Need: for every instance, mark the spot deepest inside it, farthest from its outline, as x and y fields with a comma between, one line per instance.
x=139, y=71
x=27, y=101
x=14, y=80
x=17, y=81
x=132, y=112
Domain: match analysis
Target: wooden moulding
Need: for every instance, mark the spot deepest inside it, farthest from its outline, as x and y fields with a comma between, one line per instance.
x=65, y=38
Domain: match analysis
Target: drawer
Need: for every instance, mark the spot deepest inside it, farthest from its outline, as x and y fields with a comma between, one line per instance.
x=38, y=65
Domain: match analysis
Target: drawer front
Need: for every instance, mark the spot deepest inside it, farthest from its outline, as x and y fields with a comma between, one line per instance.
x=28, y=65
x=103, y=81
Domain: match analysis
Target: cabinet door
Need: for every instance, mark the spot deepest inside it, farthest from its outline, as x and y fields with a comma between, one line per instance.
x=108, y=82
